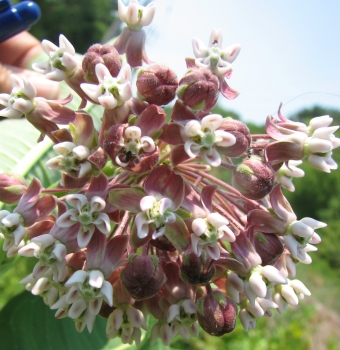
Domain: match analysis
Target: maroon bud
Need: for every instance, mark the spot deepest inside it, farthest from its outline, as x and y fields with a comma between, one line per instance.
x=268, y=246
x=143, y=277
x=195, y=269
x=254, y=178
x=241, y=133
x=105, y=54
x=199, y=89
x=12, y=188
x=216, y=313
x=157, y=84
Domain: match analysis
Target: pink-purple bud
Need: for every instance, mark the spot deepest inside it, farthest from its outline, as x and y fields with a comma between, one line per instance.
x=216, y=313
x=241, y=133
x=105, y=54
x=157, y=84
x=195, y=269
x=254, y=178
x=199, y=89
x=12, y=188
x=268, y=246
x=143, y=277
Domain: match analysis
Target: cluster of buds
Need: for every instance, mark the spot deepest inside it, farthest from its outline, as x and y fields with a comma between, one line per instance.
x=138, y=226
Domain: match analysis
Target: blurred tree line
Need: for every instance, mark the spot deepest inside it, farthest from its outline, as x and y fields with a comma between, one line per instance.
x=82, y=22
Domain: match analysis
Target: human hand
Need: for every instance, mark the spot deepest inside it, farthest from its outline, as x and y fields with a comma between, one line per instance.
x=15, y=55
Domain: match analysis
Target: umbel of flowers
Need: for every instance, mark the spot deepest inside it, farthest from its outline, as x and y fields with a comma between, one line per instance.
x=138, y=226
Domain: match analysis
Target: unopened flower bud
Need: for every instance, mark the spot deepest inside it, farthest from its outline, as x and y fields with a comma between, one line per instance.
x=157, y=84
x=195, y=269
x=199, y=89
x=268, y=246
x=254, y=178
x=105, y=54
x=11, y=188
x=143, y=277
x=241, y=133
x=216, y=313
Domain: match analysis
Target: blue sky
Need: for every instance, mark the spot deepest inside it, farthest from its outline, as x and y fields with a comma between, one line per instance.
x=290, y=49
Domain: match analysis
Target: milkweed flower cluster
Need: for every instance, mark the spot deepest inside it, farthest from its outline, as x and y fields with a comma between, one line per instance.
x=137, y=225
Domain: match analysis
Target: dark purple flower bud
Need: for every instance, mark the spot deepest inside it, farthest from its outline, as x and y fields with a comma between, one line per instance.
x=195, y=269
x=157, y=84
x=12, y=188
x=199, y=89
x=268, y=246
x=254, y=178
x=241, y=133
x=105, y=54
x=143, y=277
x=216, y=313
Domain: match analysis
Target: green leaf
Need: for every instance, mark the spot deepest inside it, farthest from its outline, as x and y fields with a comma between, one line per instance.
x=26, y=323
